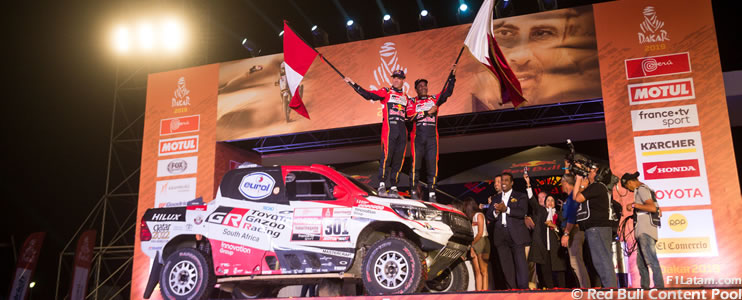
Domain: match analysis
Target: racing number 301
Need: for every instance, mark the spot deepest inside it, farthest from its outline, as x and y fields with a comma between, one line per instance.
x=336, y=227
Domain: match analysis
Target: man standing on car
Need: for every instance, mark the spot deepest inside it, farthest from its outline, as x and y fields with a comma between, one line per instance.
x=424, y=140
x=393, y=129
x=644, y=231
x=511, y=236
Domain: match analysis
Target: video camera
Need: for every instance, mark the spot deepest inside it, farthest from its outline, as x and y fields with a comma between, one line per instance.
x=581, y=165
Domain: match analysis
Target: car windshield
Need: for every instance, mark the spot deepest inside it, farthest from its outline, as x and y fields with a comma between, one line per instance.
x=364, y=187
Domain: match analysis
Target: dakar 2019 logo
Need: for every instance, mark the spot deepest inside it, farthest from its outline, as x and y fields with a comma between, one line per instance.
x=651, y=27
x=389, y=63
x=180, y=96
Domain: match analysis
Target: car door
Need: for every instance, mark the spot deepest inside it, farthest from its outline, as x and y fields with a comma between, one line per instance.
x=319, y=241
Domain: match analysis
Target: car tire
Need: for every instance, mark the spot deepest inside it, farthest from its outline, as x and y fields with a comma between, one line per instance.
x=392, y=266
x=252, y=291
x=187, y=274
x=455, y=278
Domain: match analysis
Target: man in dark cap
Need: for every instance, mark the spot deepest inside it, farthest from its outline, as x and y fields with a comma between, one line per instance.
x=424, y=140
x=645, y=229
x=393, y=129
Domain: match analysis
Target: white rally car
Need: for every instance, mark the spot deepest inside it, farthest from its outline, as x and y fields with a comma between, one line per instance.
x=270, y=227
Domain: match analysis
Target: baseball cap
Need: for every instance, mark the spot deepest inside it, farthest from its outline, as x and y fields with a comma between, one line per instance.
x=420, y=80
x=626, y=177
x=398, y=73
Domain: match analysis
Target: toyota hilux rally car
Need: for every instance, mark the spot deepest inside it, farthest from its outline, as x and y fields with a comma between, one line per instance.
x=270, y=227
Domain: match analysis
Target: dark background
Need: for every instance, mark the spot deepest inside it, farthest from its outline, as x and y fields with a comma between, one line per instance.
x=59, y=86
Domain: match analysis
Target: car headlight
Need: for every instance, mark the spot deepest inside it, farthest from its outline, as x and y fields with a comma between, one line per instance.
x=418, y=213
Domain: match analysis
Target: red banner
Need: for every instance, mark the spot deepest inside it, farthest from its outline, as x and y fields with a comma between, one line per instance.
x=83, y=259
x=26, y=266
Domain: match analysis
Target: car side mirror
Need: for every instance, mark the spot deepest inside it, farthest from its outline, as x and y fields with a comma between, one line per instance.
x=339, y=192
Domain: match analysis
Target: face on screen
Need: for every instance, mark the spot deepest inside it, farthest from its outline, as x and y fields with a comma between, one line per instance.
x=547, y=51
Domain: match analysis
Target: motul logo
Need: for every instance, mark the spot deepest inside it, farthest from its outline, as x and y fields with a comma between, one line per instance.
x=174, y=146
x=671, y=90
x=671, y=169
x=660, y=65
x=180, y=125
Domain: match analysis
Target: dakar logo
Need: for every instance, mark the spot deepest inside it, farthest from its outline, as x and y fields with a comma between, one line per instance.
x=651, y=27
x=389, y=63
x=181, y=97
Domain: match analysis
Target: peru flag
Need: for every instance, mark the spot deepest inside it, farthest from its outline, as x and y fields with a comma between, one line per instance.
x=482, y=44
x=298, y=56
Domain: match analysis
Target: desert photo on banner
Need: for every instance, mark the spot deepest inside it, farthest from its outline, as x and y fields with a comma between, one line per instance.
x=553, y=54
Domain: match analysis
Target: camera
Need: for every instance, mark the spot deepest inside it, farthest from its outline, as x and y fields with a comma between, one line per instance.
x=578, y=164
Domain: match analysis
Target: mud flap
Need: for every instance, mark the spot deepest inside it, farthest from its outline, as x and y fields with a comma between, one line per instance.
x=154, y=276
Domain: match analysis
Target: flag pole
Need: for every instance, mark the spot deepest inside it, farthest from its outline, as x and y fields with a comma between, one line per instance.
x=457, y=59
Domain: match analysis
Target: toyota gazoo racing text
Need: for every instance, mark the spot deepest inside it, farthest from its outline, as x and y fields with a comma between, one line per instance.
x=270, y=227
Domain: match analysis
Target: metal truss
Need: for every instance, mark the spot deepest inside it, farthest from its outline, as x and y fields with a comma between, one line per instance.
x=482, y=122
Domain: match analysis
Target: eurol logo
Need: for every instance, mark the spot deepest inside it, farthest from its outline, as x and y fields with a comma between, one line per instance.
x=661, y=91
x=671, y=169
x=180, y=125
x=188, y=144
x=659, y=65
x=256, y=186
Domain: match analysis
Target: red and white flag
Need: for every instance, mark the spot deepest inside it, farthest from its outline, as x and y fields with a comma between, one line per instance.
x=482, y=44
x=83, y=260
x=298, y=56
x=26, y=265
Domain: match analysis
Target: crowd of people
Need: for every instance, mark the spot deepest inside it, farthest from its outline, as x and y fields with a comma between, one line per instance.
x=524, y=240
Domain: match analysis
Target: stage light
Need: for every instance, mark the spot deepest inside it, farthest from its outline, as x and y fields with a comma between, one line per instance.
x=251, y=47
x=349, y=23
x=319, y=37
x=32, y=284
x=426, y=20
x=463, y=15
x=463, y=7
x=353, y=32
x=504, y=9
x=172, y=35
x=146, y=36
x=389, y=26
x=121, y=39
x=280, y=33
x=387, y=17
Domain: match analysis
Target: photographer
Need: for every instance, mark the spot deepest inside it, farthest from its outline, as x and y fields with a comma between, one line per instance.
x=645, y=232
x=594, y=218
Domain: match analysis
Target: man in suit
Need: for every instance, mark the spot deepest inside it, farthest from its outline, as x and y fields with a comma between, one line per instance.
x=511, y=236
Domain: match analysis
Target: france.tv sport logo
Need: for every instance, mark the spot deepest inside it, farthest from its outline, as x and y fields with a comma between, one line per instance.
x=671, y=169
x=664, y=117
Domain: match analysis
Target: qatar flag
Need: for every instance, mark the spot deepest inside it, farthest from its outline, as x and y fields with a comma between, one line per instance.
x=482, y=44
x=298, y=56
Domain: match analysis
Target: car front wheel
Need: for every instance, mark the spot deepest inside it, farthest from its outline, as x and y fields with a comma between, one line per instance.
x=187, y=274
x=392, y=266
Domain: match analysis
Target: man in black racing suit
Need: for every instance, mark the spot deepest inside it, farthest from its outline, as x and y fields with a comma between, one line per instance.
x=423, y=110
x=393, y=129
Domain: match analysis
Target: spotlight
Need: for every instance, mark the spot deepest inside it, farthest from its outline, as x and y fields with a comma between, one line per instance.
x=280, y=33
x=389, y=26
x=463, y=7
x=121, y=39
x=504, y=9
x=319, y=36
x=463, y=15
x=251, y=47
x=172, y=35
x=426, y=20
x=353, y=32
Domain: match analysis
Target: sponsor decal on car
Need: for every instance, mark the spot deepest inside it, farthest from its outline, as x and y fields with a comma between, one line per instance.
x=256, y=186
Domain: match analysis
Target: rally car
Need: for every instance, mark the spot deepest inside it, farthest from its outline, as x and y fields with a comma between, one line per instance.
x=270, y=227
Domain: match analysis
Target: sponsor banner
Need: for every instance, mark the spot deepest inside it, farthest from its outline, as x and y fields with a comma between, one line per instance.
x=673, y=166
x=664, y=117
x=175, y=192
x=257, y=186
x=177, y=166
x=27, y=259
x=180, y=145
x=659, y=65
x=687, y=233
x=83, y=259
x=661, y=91
x=180, y=125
